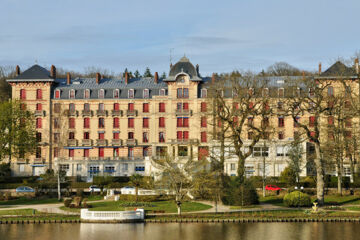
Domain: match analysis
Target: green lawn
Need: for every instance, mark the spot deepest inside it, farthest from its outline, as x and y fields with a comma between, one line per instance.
x=18, y=212
x=245, y=207
x=274, y=200
x=167, y=206
x=29, y=201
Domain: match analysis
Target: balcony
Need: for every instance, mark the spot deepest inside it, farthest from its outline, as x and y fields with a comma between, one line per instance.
x=101, y=142
x=101, y=113
x=72, y=142
x=38, y=161
x=21, y=160
x=86, y=142
x=132, y=113
x=183, y=112
x=39, y=113
x=116, y=113
x=116, y=142
x=86, y=113
x=72, y=113
x=131, y=142
x=184, y=141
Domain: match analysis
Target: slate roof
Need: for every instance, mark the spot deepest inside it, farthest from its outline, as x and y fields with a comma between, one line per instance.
x=35, y=72
x=338, y=69
x=183, y=66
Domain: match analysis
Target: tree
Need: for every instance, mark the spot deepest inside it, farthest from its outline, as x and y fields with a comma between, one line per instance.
x=5, y=88
x=163, y=75
x=136, y=180
x=147, y=73
x=283, y=69
x=295, y=154
x=137, y=74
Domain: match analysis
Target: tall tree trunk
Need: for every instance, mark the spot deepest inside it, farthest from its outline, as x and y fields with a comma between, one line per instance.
x=58, y=186
x=339, y=177
x=264, y=178
x=320, y=183
x=136, y=193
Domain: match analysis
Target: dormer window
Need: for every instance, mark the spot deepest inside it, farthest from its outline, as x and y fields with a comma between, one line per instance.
x=146, y=93
x=87, y=93
x=57, y=94
x=116, y=93
x=162, y=92
x=72, y=94
x=203, y=93
x=235, y=93
x=131, y=93
x=281, y=92
x=101, y=93
x=265, y=92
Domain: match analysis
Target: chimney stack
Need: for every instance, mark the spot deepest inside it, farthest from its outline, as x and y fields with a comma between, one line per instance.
x=357, y=65
x=197, y=69
x=319, y=68
x=98, y=77
x=170, y=65
x=68, y=79
x=17, y=70
x=156, y=77
x=53, y=71
x=126, y=78
x=213, y=78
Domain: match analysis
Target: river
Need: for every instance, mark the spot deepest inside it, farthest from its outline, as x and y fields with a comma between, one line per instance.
x=183, y=231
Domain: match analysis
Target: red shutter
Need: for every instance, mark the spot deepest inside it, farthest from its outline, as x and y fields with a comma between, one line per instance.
x=186, y=106
x=145, y=123
x=86, y=152
x=131, y=106
x=203, y=107
x=203, y=137
x=251, y=105
x=116, y=122
x=179, y=122
x=203, y=122
x=203, y=152
x=57, y=94
x=186, y=135
x=115, y=135
x=116, y=107
x=161, y=107
x=39, y=106
x=101, y=135
x=179, y=135
x=38, y=94
x=101, y=152
x=86, y=122
x=145, y=107
x=38, y=123
x=311, y=121
x=23, y=94
x=131, y=123
x=71, y=122
x=186, y=122
x=71, y=152
x=161, y=122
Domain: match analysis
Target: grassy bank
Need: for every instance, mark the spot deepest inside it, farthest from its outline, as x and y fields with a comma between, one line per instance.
x=31, y=215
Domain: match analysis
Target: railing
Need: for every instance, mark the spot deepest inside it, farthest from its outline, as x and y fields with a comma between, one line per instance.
x=134, y=216
x=71, y=142
x=101, y=112
x=131, y=113
x=38, y=161
x=86, y=113
x=116, y=113
x=183, y=112
x=39, y=113
x=72, y=113
x=131, y=142
x=184, y=141
x=99, y=159
x=21, y=160
x=101, y=142
x=116, y=142
x=86, y=142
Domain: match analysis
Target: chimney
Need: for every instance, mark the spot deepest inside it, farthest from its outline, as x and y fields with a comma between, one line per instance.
x=303, y=74
x=156, y=77
x=357, y=65
x=53, y=71
x=126, y=78
x=213, y=78
x=197, y=69
x=17, y=71
x=319, y=68
x=170, y=65
x=98, y=77
x=68, y=79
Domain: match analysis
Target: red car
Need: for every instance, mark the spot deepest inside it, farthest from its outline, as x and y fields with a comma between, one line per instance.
x=272, y=188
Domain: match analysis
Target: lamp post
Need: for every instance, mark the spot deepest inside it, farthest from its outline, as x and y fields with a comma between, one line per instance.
x=301, y=189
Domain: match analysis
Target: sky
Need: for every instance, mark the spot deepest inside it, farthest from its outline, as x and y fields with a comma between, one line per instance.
x=220, y=36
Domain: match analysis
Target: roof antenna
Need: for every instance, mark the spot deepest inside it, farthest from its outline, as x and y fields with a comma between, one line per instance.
x=36, y=61
x=171, y=50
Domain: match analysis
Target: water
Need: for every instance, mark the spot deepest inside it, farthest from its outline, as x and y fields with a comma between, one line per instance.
x=183, y=231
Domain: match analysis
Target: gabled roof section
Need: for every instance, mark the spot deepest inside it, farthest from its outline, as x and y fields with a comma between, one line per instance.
x=34, y=73
x=338, y=69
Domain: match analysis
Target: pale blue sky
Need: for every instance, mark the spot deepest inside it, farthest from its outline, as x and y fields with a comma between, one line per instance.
x=218, y=35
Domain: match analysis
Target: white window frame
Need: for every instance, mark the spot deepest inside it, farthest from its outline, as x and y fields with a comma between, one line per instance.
x=146, y=93
x=131, y=93
x=162, y=92
x=204, y=93
x=265, y=92
x=87, y=93
x=116, y=92
x=72, y=93
x=101, y=93
x=283, y=91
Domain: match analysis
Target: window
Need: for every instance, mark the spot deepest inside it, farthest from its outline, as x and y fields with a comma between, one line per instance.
x=203, y=137
x=56, y=123
x=38, y=152
x=146, y=93
x=281, y=135
x=182, y=122
x=116, y=152
x=232, y=167
x=78, y=166
x=38, y=136
x=101, y=107
x=72, y=108
x=330, y=120
x=22, y=94
x=146, y=107
x=265, y=92
x=86, y=135
x=182, y=93
x=348, y=134
x=280, y=105
x=101, y=93
x=312, y=121
x=161, y=122
x=261, y=152
x=281, y=92
x=87, y=93
x=56, y=137
x=57, y=94
x=72, y=94
x=101, y=123
x=71, y=135
x=116, y=93
x=161, y=107
x=281, y=151
x=71, y=153
x=203, y=93
x=101, y=135
x=146, y=151
x=182, y=151
x=203, y=122
x=116, y=123
x=131, y=93
x=130, y=122
x=250, y=121
x=38, y=94
x=281, y=122
x=182, y=135
x=86, y=153
x=131, y=106
x=130, y=152
x=203, y=107
x=145, y=122
x=265, y=122
x=162, y=92
x=56, y=152
x=203, y=152
x=330, y=91
x=251, y=105
x=101, y=152
x=38, y=106
x=87, y=122
x=71, y=122
x=38, y=123
x=161, y=137
x=86, y=107
x=57, y=107
x=145, y=137
x=130, y=135
x=116, y=135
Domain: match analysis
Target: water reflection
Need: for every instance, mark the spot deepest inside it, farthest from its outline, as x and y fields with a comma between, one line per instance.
x=188, y=231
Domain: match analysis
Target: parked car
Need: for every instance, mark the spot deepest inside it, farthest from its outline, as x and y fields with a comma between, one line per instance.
x=24, y=189
x=94, y=188
x=272, y=188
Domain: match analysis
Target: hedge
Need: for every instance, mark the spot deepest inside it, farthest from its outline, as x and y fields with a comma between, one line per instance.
x=297, y=199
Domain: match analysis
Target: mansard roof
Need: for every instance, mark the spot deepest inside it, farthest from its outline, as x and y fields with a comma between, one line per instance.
x=34, y=73
x=183, y=66
x=339, y=69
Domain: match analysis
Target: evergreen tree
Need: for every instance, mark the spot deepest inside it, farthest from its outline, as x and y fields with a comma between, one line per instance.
x=147, y=73
x=163, y=75
x=137, y=74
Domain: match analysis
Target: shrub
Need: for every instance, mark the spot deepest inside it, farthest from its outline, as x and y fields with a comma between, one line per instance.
x=67, y=202
x=288, y=176
x=77, y=201
x=297, y=199
x=79, y=192
x=237, y=194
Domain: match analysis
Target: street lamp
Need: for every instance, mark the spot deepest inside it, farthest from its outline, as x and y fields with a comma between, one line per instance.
x=301, y=189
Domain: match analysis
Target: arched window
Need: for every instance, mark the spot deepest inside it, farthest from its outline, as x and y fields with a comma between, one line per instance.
x=87, y=93
x=116, y=93
x=101, y=93
x=72, y=94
